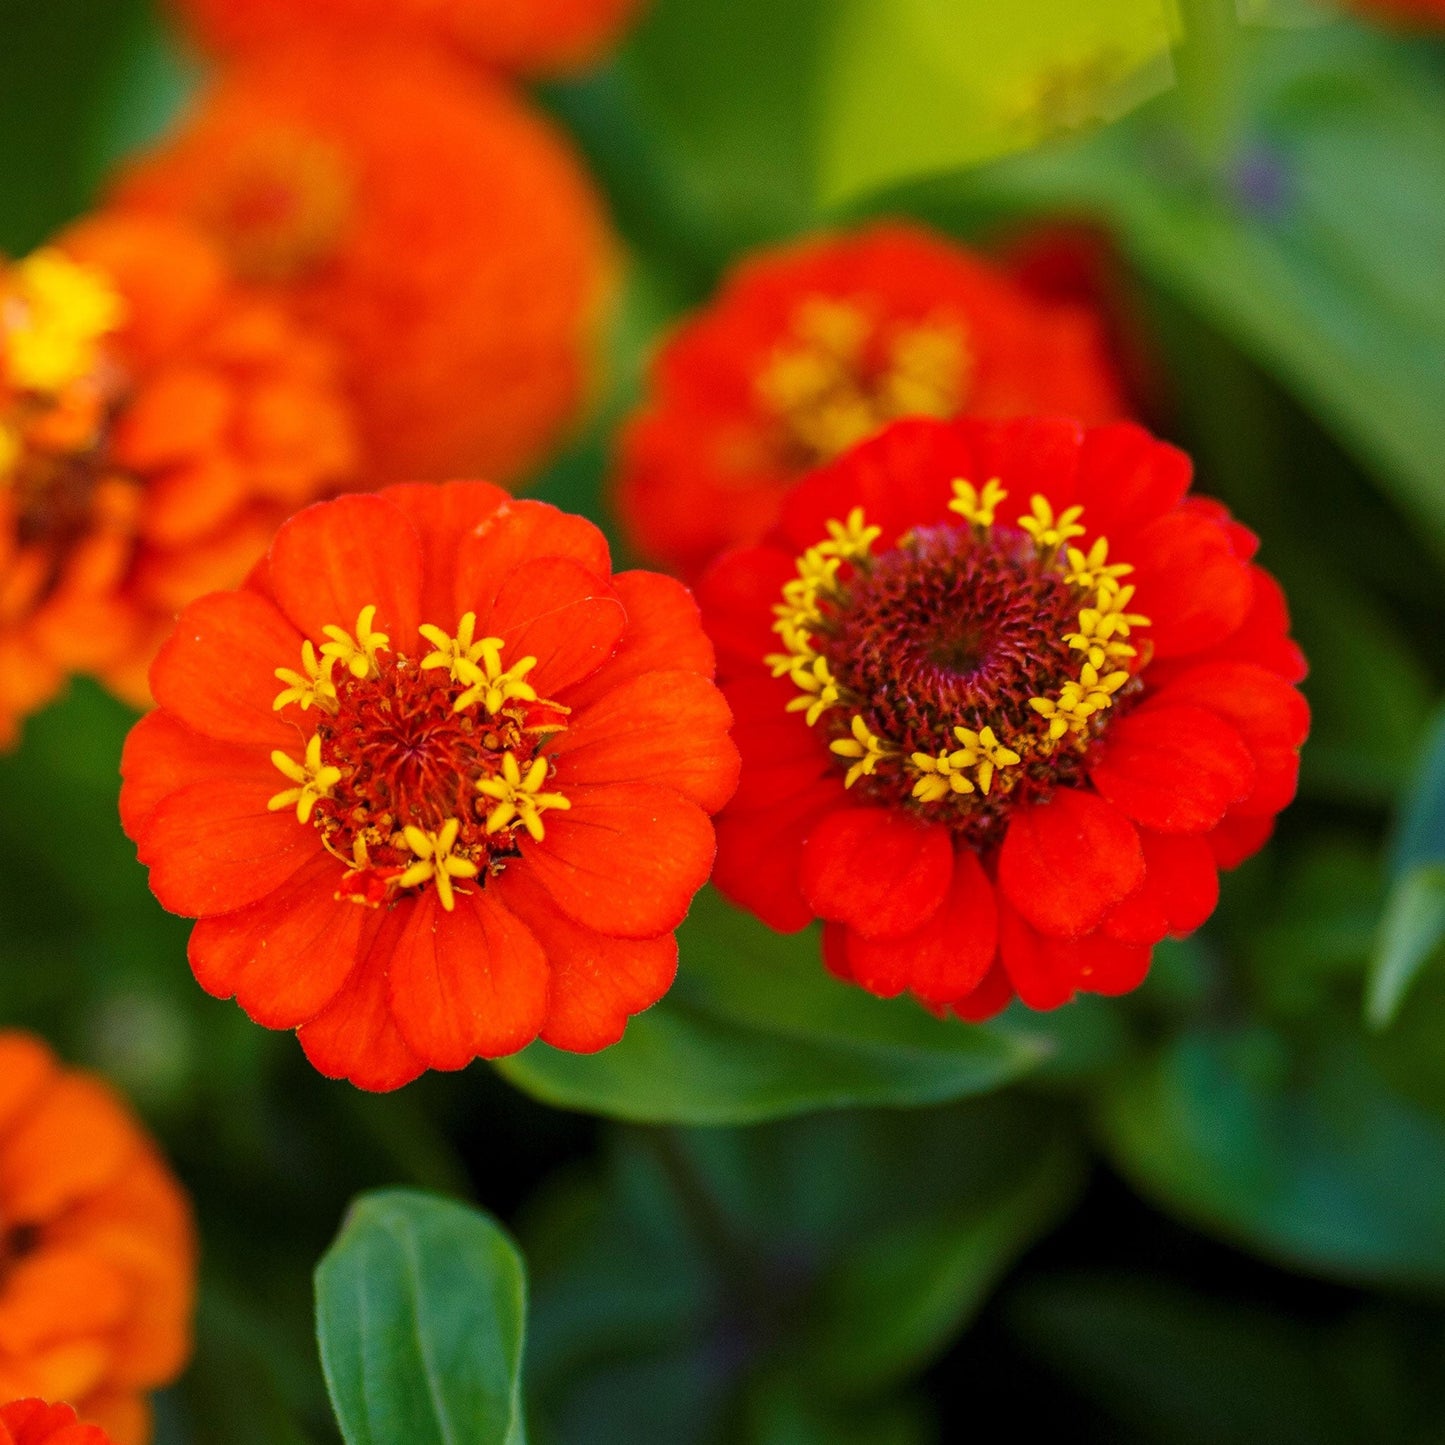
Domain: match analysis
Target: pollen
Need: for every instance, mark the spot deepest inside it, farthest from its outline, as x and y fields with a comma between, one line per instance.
x=1050, y=532
x=462, y=657
x=436, y=862
x=497, y=686
x=314, y=780
x=819, y=689
x=54, y=314
x=864, y=750
x=518, y=797
x=357, y=654
x=312, y=686
x=977, y=507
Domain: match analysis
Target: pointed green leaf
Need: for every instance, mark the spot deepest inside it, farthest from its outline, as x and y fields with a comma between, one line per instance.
x=1411, y=933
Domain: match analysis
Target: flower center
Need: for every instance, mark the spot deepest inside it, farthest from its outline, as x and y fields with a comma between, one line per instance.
x=58, y=392
x=842, y=377
x=422, y=770
x=968, y=668
x=282, y=204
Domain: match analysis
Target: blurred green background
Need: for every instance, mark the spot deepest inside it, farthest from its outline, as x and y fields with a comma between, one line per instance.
x=782, y=1212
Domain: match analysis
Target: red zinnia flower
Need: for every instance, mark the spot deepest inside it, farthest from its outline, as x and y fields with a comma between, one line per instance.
x=475, y=804
x=1006, y=699
x=33, y=1422
x=535, y=36
x=443, y=232
x=812, y=348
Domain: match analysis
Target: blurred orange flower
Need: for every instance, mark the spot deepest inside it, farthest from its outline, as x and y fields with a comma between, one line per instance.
x=814, y=347
x=33, y=1422
x=442, y=231
x=536, y=36
x=435, y=783
x=1420, y=14
x=97, y=1254
x=155, y=425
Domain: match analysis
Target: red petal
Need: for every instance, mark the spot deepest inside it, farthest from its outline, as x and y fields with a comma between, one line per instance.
x=668, y=728
x=759, y=855
x=356, y=1037
x=467, y=984
x=1030, y=456
x=285, y=958
x=1179, y=891
x=213, y=848
x=443, y=515
x=781, y=755
x=162, y=756
x=1192, y=586
x=1271, y=717
x=1047, y=972
x=946, y=959
x=566, y=617
x=1064, y=863
x=217, y=671
x=664, y=634
x=515, y=534
x=625, y=860
x=737, y=595
x=597, y=982
x=1173, y=769
x=991, y=997
x=876, y=870
x=333, y=559
x=1038, y=973
x=1236, y=839
x=1127, y=478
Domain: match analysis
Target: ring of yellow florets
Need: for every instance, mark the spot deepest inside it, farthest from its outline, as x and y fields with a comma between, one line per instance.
x=1015, y=746
x=419, y=772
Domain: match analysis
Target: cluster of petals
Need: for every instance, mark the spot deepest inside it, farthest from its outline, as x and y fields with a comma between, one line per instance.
x=440, y=229
x=97, y=1256
x=523, y=36
x=1176, y=763
x=35, y=1422
x=435, y=783
x=812, y=347
x=156, y=422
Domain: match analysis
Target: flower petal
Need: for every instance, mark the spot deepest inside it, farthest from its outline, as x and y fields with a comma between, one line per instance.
x=625, y=860
x=759, y=854
x=333, y=559
x=876, y=870
x=217, y=671
x=1191, y=583
x=668, y=728
x=737, y=595
x=944, y=961
x=1127, y=478
x=467, y=984
x=1179, y=891
x=1064, y=863
x=1173, y=769
x=597, y=982
x=286, y=957
x=213, y=847
x=443, y=514
x=994, y=994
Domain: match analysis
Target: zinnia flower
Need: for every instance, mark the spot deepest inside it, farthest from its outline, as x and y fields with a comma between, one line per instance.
x=432, y=783
x=816, y=346
x=33, y=1422
x=155, y=426
x=533, y=36
x=1007, y=700
x=441, y=230
x=97, y=1254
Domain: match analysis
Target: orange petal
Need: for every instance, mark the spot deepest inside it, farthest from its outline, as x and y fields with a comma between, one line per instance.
x=443, y=514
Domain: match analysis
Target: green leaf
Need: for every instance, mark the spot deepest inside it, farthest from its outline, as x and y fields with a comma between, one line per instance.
x=1420, y=833
x=1410, y=936
x=1301, y=1152
x=420, y=1309
x=915, y=88
x=755, y=1028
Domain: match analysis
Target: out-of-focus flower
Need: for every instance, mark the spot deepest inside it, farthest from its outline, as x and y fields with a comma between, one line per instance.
x=530, y=36
x=434, y=783
x=33, y=1422
x=443, y=232
x=1007, y=700
x=155, y=425
x=814, y=347
x=97, y=1254
x=1419, y=14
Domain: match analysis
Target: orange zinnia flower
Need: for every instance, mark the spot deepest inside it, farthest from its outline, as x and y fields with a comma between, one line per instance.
x=33, y=1422
x=97, y=1255
x=1007, y=700
x=434, y=783
x=816, y=346
x=155, y=426
x=534, y=36
x=441, y=230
